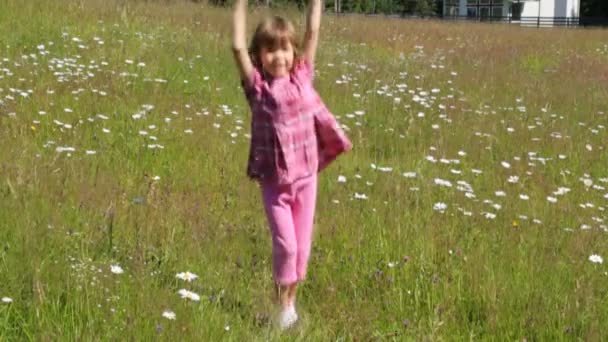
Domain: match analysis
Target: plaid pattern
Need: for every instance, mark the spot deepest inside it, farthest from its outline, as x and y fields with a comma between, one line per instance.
x=332, y=141
x=293, y=135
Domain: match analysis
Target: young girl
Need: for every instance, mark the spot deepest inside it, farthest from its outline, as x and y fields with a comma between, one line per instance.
x=293, y=137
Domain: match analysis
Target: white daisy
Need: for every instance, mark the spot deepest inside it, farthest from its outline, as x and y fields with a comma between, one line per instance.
x=409, y=174
x=360, y=196
x=169, y=314
x=187, y=276
x=440, y=206
x=116, y=269
x=596, y=259
x=189, y=295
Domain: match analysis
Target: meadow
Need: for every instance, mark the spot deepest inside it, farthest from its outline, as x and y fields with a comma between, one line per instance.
x=472, y=207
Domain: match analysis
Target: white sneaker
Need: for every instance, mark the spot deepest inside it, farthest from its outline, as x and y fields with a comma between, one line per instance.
x=288, y=317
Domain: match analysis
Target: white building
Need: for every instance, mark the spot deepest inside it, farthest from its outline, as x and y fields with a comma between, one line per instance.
x=513, y=9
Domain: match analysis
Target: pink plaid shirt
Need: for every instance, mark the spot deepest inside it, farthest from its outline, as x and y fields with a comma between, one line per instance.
x=293, y=135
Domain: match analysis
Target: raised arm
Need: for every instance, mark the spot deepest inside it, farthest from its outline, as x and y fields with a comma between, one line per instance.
x=239, y=39
x=313, y=23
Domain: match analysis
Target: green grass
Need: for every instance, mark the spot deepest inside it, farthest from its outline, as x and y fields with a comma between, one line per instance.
x=386, y=268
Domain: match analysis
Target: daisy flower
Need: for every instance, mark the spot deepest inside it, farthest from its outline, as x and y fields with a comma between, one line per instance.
x=187, y=276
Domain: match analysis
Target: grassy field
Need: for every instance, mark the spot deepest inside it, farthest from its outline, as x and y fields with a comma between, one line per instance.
x=473, y=209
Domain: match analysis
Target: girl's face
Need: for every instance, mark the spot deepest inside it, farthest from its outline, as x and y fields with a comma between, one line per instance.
x=277, y=61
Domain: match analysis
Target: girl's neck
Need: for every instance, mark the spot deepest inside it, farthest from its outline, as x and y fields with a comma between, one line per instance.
x=272, y=79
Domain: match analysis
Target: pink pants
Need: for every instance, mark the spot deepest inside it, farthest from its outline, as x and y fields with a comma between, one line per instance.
x=290, y=210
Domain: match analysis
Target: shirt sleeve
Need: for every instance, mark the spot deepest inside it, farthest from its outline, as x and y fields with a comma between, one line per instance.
x=253, y=84
x=304, y=71
x=257, y=162
x=331, y=139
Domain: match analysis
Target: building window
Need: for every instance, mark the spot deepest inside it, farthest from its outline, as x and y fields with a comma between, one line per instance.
x=494, y=9
x=451, y=8
x=497, y=12
x=484, y=12
x=485, y=9
x=451, y=11
x=497, y=8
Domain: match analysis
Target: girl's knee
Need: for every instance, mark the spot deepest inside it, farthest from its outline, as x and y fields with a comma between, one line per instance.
x=286, y=251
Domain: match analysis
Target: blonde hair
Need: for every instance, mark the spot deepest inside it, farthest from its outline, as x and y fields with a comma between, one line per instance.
x=273, y=32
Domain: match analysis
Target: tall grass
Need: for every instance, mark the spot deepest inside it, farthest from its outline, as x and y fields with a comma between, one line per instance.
x=388, y=267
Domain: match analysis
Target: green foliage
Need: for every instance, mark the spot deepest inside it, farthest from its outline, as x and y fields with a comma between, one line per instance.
x=425, y=7
x=419, y=7
x=594, y=8
x=536, y=64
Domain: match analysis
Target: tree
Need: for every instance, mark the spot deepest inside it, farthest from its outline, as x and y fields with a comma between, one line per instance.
x=594, y=8
x=594, y=12
x=425, y=7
